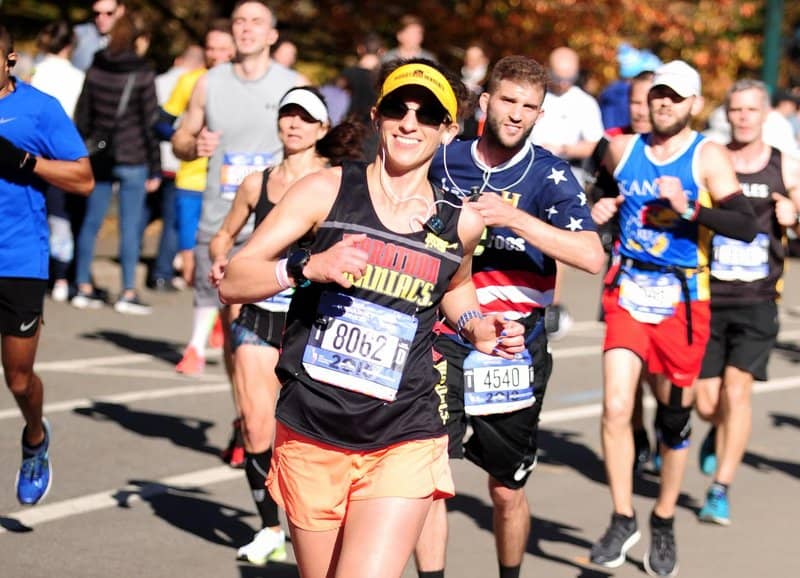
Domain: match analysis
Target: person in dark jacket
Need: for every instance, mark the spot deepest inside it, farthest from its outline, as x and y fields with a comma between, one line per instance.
x=136, y=162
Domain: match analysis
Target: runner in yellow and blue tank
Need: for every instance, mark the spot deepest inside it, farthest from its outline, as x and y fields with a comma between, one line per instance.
x=359, y=443
x=675, y=187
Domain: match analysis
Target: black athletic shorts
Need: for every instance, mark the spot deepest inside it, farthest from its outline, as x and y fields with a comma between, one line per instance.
x=504, y=445
x=742, y=336
x=266, y=325
x=21, y=305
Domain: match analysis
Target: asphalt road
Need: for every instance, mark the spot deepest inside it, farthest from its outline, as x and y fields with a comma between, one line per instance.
x=139, y=490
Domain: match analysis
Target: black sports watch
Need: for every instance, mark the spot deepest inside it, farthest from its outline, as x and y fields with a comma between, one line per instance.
x=295, y=262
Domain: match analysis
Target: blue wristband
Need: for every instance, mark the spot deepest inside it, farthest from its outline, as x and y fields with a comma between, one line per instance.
x=465, y=318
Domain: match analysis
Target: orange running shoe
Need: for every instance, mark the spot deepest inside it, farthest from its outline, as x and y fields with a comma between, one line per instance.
x=233, y=454
x=216, y=339
x=192, y=363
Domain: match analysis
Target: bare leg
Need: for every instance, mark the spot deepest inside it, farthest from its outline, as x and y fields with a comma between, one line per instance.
x=621, y=371
x=18, y=356
x=316, y=553
x=379, y=536
x=430, y=553
x=257, y=389
x=512, y=522
x=737, y=419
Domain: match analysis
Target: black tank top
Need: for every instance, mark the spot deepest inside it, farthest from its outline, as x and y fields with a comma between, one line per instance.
x=263, y=205
x=758, y=188
x=407, y=275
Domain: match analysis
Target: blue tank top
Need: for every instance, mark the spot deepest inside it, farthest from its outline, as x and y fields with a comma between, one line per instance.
x=651, y=232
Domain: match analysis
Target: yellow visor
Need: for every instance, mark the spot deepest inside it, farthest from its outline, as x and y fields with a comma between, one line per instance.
x=425, y=76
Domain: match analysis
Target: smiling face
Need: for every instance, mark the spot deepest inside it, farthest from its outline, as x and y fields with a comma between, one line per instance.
x=511, y=110
x=411, y=125
x=253, y=29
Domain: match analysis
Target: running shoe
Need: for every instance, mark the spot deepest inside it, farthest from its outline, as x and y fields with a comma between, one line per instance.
x=662, y=557
x=192, y=363
x=620, y=537
x=60, y=292
x=234, y=454
x=707, y=456
x=267, y=546
x=217, y=337
x=641, y=452
x=93, y=300
x=657, y=461
x=716, y=509
x=132, y=306
x=35, y=474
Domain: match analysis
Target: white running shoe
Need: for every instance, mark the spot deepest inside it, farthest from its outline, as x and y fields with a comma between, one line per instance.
x=267, y=546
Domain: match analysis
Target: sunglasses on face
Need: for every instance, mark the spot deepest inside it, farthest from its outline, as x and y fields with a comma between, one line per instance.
x=428, y=113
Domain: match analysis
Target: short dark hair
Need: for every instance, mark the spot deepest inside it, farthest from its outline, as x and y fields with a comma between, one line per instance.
x=55, y=37
x=518, y=68
x=263, y=3
x=219, y=25
x=410, y=20
x=6, y=41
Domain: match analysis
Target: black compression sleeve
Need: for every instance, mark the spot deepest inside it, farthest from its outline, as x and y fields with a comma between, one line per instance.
x=734, y=218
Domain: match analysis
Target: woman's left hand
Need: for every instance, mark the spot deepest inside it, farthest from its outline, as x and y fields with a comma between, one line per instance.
x=151, y=185
x=495, y=335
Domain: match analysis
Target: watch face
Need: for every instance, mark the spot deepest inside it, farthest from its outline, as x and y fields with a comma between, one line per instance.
x=294, y=266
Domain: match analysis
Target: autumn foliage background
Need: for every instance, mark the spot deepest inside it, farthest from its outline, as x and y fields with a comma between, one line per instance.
x=722, y=38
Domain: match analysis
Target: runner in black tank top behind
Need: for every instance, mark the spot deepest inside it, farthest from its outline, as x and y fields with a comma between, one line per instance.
x=360, y=449
x=746, y=282
x=308, y=146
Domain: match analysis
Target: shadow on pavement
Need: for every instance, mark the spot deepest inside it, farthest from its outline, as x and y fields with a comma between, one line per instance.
x=541, y=531
x=186, y=432
x=168, y=351
x=789, y=350
x=781, y=419
x=561, y=448
x=271, y=570
x=14, y=526
x=765, y=464
x=188, y=510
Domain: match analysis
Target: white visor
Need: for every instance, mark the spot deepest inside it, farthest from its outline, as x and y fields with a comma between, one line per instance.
x=308, y=101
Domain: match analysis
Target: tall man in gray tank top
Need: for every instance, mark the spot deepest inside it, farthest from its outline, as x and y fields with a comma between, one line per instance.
x=232, y=118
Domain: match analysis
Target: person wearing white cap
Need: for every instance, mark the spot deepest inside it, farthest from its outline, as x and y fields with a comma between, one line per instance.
x=360, y=447
x=308, y=146
x=675, y=187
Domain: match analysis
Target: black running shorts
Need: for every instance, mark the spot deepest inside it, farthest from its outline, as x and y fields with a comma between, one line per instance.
x=742, y=336
x=21, y=305
x=503, y=445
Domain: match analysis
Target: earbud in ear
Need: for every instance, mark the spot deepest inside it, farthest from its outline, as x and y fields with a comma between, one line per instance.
x=447, y=139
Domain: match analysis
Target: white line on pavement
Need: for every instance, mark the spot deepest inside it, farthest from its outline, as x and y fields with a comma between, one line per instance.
x=127, y=397
x=107, y=499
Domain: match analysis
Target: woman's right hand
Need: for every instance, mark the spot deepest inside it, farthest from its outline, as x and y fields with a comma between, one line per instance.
x=335, y=263
x=217, y=271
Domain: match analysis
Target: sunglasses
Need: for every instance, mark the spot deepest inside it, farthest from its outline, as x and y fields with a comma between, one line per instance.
x=108, y=13
x=429, y=114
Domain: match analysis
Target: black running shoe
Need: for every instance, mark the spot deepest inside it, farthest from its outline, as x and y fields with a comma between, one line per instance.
x=662, y=558
x=620, y=536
